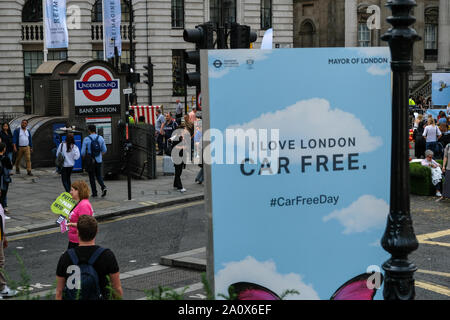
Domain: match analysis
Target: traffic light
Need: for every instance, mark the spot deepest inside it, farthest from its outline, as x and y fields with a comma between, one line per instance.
x=241, y=36
x=179, y=77
x=192, y=78
x=203, y=37
x=149, y=78
x=149, y=74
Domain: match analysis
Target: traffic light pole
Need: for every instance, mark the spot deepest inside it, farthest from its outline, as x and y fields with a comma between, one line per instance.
x=127, y=146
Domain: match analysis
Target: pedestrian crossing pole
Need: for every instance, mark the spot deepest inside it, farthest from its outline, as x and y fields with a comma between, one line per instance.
x=128, y=145
x=399, y=238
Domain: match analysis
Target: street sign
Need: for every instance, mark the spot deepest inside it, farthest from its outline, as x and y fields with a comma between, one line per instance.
x=128, y=91
x=97, y=87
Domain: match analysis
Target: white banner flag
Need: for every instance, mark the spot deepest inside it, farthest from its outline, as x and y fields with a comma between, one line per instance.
x=56, y=35
x=111, y=24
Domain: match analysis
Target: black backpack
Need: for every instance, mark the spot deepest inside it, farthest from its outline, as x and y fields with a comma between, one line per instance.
x=89, y=282
x=95, y=146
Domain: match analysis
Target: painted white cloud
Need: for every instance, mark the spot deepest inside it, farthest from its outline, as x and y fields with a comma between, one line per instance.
x=241, y=59
x=313, y=119
x=264, y=274
x=365, y=213
x=378, y=52
x=376, y=70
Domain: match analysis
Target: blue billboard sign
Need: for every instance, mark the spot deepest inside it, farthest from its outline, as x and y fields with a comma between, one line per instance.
x=298, y=146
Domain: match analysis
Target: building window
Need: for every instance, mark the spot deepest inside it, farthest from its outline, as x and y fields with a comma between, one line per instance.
x=177, y=13
x=266, y=14
x=431, y=34
x=222, y=11
x=32, y=11
x=32, y=60
x=97, y=11
x=178, y=67
x=363, y=35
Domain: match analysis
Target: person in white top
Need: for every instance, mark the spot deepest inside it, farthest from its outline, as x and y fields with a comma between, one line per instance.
x=71, y=153
x=432, y=134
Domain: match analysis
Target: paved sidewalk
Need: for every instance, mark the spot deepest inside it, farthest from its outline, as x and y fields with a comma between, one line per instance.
x=30, y=198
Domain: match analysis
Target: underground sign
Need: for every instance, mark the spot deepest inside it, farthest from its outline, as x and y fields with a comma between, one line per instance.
x=97, y=87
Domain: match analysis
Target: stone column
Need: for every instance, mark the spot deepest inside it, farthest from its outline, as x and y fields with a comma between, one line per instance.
x=444, y=32
x=351, y=23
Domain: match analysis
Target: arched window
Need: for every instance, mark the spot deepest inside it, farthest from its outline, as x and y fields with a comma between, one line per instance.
x=431, y=33
x=222, y=11
x=32, y=11
x=97, y=11
x=307, y=31
x=364, y=33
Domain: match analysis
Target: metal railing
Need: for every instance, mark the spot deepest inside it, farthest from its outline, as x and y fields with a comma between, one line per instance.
x=423, y=89
x=97, y=32
x=32, y=31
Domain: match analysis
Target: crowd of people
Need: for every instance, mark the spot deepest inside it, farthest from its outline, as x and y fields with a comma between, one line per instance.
x=432, y=142
x=165, y=126
x=81, y=225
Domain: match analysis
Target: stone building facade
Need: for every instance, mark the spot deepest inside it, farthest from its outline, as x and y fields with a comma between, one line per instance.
x=343, y=23
x=157, y=33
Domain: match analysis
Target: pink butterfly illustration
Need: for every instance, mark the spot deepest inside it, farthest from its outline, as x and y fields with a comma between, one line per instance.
x=354, y=289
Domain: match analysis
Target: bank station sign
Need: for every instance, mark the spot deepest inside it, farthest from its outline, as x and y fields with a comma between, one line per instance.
x=97, y=92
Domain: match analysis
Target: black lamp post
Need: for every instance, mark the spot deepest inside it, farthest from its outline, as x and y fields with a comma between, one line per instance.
x=399, y=238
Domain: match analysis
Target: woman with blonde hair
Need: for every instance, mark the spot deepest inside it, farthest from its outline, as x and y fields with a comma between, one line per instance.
x=431, y=134
x=80, y=192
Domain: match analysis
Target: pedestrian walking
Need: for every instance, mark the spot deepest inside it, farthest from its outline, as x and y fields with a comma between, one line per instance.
x=180, y=143
x=5, y=179
x=71, y=153
x=446, y=171
x=5, y=291
x=23, y=146
x=7, y=138
x=92, y=150
x=79, y=192
x=419, y=140
x=159, y=136
x=431, y=134
x=98, y=264
x=193, y=115
x=167, y=128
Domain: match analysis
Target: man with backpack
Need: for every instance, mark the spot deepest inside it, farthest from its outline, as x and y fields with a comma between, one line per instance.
x=88, y=272
x=92, y=150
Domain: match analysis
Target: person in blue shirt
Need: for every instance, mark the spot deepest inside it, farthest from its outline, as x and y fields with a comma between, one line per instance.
x=23, y=145
x=97, y=170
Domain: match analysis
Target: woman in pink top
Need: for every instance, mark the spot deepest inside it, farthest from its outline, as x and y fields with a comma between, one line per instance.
x=80, y=192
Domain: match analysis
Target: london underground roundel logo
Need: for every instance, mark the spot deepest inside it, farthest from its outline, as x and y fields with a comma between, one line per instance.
x=97, y=84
